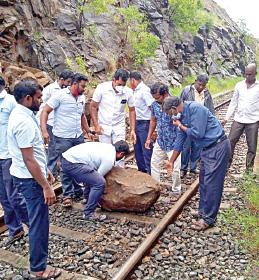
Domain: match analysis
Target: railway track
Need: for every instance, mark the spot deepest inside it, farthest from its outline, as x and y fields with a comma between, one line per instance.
x=130, y=245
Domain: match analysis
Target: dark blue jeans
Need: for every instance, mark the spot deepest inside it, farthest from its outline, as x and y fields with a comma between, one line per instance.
x=93, y=181
x=214, y=163
x=52, y=154
x=13, y=203
x=38, y=213
x=190, y=153
x=69, y=186
x=142, y=155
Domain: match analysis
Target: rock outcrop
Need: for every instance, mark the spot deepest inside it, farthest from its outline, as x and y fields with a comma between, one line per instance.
x=129, y=190
x=45, y=34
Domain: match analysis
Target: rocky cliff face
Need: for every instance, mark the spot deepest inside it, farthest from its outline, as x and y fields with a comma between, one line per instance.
x=45, y=33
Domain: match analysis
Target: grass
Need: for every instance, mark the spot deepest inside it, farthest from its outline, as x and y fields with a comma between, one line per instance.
x=245, y=221
x=215, y=85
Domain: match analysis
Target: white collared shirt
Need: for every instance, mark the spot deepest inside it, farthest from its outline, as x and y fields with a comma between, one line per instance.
x=143, y=100
x=68, y=112
x=111, y=113
x=100, y=156
x=24, y=132
x=246, y=103
x=47, y=93
x=7, y=104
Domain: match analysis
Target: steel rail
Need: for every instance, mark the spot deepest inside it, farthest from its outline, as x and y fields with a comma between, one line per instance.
x=126, y=269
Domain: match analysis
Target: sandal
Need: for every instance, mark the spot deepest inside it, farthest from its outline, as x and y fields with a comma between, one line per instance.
x=200, y=225
x=46, y=274
x=67, y=202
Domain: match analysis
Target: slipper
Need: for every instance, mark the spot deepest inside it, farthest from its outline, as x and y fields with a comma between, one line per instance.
x=46, y=274
x=67, y=202
x=200, y=225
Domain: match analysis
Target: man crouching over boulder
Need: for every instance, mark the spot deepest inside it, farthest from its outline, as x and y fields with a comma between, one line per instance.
x=88, y=163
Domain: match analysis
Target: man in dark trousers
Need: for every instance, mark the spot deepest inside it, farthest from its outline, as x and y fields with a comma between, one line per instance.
x=13, y=203
x=244, y=106
x=30, y=174
x=143, y=102
x=202, y=126
x=88, y=163
x=199, y=93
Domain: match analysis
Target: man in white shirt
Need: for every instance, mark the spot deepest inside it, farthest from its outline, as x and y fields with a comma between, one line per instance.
x=245, y=101
x=143, y=101
x=88, y=163
x=108, y=109
x=69, y=128
x=13, y=203
x=64, y=80
x=30, y=174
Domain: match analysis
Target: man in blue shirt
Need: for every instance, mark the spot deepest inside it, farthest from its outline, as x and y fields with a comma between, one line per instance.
x=198, y=123
x=13, y=203
x=69, y=127
x=164, y=145
x=30, y=175
x=88, y=163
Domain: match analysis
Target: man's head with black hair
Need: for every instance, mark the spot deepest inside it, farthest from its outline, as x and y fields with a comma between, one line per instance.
x=159, y=91
x=78, y=84
x=135, y=79
x=65, y=78
x=28, y=94
x=122, y=149
x=119, y=80
x=172, y=105
x=2, y=83
x=201, y=82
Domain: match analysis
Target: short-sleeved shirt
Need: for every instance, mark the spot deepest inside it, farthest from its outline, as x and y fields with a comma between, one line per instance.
x=68, y=111
x=111, y=113
x=7, y=104
x=100, y=156
x=24, y=132
x=166, y=131
x=47, y=92
x=143, y=101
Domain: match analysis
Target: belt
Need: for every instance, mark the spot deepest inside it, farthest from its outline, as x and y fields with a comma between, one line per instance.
x=142, y=121
x=221, y=139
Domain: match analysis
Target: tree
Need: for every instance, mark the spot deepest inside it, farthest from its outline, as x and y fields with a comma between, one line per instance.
x=188, y=15
x=136, y=42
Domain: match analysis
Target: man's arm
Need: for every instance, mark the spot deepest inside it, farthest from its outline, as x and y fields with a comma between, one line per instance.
x=152, y=127
x=105, y=167
x=84, y=124
x=43, y=122
x=232, y=106
x=35, y=170
x=94, y=116
x=132, y=119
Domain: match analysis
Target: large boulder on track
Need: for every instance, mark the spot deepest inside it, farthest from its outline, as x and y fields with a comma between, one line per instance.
x=129, y=190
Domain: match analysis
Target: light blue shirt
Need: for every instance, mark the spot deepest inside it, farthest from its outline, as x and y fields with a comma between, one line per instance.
x=68, y=111
x=7, y=104
x=143, y=101
x=100, y=156
x=24, y=132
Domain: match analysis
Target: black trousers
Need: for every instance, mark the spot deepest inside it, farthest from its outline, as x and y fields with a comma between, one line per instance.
x=251, y=132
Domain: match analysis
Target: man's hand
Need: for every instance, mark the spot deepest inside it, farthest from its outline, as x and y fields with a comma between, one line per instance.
x=169, y=166
x=50, y=177
x=99, y=130
x=49, y=195
x=45, y=136
x=133, y=137
x=223, y=122
x=176, y=122
x=147, y=144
